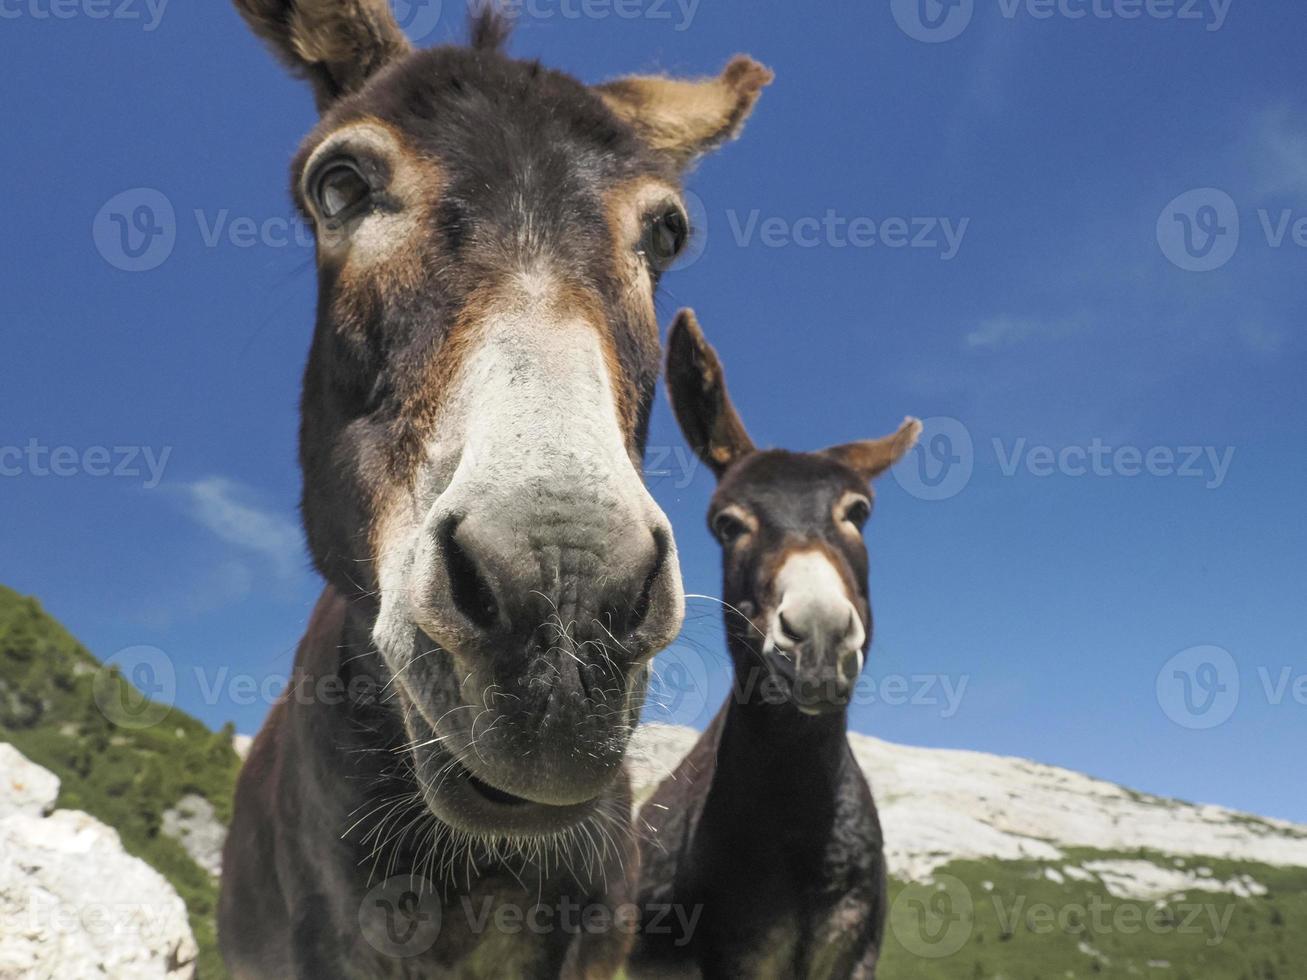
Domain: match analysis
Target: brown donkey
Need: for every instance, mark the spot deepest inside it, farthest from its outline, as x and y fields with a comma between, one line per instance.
x=765, y=841
x=442, y=787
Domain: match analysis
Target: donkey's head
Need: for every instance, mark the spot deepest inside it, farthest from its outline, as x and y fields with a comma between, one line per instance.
x=790, y=526
x=490, y=234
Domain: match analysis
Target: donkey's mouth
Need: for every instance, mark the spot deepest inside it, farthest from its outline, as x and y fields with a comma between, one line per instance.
x=488, y=772
x=496, y=795
x=471, y=804
x=466, y=794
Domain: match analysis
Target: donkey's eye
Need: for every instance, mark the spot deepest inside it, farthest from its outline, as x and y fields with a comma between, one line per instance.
x=728, y=528
x=664, y=237
x=858, y=511
x=341, y=190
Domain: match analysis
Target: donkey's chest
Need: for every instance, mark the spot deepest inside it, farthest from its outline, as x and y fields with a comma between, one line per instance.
x=489, y=957
x=786, y=898
x=475, y=936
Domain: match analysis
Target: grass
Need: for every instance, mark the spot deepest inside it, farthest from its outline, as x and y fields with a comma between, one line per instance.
x=986, y=920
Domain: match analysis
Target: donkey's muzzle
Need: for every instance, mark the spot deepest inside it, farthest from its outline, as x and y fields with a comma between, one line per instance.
x=821, y=638
x=563, y=579
x=548, y=626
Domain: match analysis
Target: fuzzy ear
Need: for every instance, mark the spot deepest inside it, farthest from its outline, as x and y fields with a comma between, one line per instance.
x=703, y=409
x=687, y=118
x=872, y=457
x=336, y=44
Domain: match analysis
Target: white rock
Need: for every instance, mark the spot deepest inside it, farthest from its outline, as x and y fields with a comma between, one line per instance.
x=241, y=745
x=1146, y=880
x=194, y=825
x=74, y=904
x=24, y=786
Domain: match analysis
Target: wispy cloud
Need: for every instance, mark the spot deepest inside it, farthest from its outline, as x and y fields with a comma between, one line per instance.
x=998, y=332
x=227, y=582
x=226, y=508
x=1262, y=338
x=1278, y=151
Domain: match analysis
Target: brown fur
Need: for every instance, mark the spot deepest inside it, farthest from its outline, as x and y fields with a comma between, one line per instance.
x=768, y=827
x=724, y=440
x=489, y=190
x=872, y=457
x=336, y=44
x=689, y=118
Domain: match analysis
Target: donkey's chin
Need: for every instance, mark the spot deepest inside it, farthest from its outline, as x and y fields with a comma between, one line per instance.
x=485, y=775
x=474, y=797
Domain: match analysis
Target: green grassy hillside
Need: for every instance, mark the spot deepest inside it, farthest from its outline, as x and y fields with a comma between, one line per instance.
x=126, y=777
x=989, y=920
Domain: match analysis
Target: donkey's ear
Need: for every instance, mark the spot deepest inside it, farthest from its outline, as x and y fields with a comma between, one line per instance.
x=687, y=118
x=336, y=44
x=702, y=407
x=872, y=457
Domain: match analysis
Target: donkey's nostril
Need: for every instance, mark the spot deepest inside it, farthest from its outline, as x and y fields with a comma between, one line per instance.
x=644, y=602
x=468, y=588
x=788, y=630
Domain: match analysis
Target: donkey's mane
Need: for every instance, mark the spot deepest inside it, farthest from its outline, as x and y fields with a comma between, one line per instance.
x=489, y=28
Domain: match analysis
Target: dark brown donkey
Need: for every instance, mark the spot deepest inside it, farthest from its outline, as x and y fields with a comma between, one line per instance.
x=765, y=839
x=490, y=234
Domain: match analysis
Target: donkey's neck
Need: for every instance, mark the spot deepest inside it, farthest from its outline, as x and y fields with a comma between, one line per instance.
x=773, y=748
x=763, y=727
x=766, y=710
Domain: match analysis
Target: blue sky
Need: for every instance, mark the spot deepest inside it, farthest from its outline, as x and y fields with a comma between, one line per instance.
x=1097, y=560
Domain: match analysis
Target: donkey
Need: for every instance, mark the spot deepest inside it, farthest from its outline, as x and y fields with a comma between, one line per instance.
x=765, y=840
x=442, y=786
